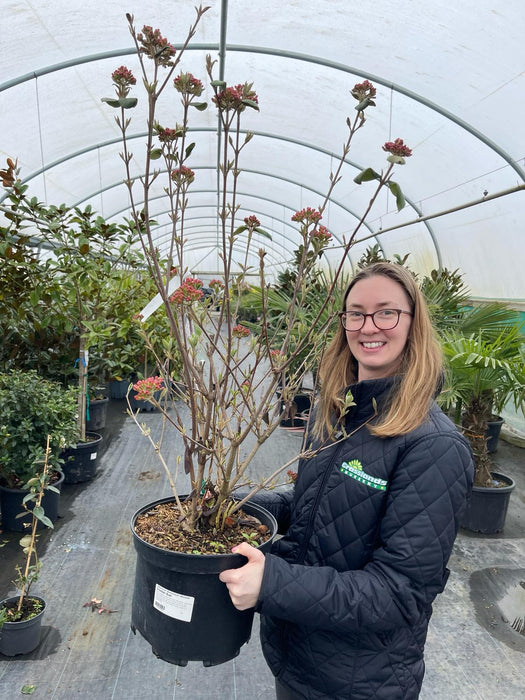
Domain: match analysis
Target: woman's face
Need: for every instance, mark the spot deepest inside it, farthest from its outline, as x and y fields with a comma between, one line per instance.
x=378, y=352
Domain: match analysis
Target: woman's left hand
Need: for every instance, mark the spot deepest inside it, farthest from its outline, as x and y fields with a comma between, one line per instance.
x=244, y=583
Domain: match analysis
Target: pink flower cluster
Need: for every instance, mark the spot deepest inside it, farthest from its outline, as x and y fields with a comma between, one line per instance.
x=231, y=98
x=322, y=234
x=307, y=216
x=216, y=285
x=146, y=388
x=240, y=331
x=252, y=221
x=167, y=135
x=397, y=148
x=188, y=84
x=291, y=475
x=123, y=77
x=183, y=175
x=155, y=46
x=189, y=291
x=362, y=90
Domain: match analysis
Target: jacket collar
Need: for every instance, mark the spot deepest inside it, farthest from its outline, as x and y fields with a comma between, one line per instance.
x=368, y=392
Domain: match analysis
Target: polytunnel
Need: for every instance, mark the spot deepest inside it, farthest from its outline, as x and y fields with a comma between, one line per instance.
x=449, y=81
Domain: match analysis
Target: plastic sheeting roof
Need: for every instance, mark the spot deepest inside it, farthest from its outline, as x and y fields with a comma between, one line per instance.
x=450, y=78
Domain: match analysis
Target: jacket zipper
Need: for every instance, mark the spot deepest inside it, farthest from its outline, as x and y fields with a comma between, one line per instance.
x=315, y=506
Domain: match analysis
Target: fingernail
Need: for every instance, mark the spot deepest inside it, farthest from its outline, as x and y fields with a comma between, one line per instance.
x=234, y=549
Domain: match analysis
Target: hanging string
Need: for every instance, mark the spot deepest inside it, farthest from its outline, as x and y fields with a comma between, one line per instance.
x=40, y=137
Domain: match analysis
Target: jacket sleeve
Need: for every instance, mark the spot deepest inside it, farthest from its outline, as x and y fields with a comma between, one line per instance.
x=408, y=567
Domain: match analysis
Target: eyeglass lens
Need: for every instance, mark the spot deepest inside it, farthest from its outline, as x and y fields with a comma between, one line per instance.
x=384, y=319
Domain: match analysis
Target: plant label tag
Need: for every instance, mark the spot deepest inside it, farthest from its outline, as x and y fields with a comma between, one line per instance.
x=175, y=605
x=93, y=456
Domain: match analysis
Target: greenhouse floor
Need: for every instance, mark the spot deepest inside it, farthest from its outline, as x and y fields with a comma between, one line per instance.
x=472, y=651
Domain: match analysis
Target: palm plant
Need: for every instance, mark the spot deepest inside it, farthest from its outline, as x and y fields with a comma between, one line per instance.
x=485, y=370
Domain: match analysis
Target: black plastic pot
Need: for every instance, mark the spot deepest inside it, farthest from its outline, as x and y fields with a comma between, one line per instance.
x=182, y=608
x=80, y=461
x=492, y=433
x=21, y=637
x=11, y=506
x=98, y=410
x=299, y=411
x=486, y=508
x=140, y=403
x=118, y=388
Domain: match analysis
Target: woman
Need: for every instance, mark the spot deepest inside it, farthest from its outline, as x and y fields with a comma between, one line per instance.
x=345, y=596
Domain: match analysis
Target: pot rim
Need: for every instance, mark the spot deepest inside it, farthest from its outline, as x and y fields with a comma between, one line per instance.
x=497, y=489
x=188, y=556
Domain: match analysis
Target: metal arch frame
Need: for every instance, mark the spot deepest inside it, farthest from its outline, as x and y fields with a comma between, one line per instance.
x=265, y=199
x=243, y=194
x=298, y=142
x=263, y=50
x=273, y=229
x=272, y=249
x=253, y=172
x=224, y=48
x=263, y=134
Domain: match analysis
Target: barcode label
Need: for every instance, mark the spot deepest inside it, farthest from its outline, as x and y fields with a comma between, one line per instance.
x=175, y=605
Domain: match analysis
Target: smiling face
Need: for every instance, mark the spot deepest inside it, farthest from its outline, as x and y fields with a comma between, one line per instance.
x=377, y=352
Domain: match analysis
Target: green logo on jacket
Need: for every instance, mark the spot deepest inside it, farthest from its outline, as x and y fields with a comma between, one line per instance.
x=355, y=470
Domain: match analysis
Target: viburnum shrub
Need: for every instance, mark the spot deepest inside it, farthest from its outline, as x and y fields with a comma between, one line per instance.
x=230, y=372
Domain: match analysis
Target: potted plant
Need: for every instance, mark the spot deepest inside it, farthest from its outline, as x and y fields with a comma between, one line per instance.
x=21, y=615
x=224, y=408
x=485, y=370
x=31, y=408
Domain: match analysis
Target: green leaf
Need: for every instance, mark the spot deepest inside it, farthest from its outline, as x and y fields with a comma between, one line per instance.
x=83, y=245
x=398, y=194
x=366, y=175
x=200, y=106
x=111, y=101
x=155, y=153
x=218, y=84
x=251, y=103
x=189, y=149
x=124, y=102
x=240, y=230
x=368, y=101
x=39, y=514
x=28, y=689
x=262, y=232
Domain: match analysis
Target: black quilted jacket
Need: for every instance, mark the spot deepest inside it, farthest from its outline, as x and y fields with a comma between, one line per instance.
x=347, y=592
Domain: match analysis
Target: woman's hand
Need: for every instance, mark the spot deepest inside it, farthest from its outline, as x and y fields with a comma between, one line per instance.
x=244, y=584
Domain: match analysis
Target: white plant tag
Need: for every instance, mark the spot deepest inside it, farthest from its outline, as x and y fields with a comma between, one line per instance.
x=93, y=456
x=173, y=604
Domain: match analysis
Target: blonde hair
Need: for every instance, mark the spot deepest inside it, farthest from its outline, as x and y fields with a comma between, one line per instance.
x=421, y=365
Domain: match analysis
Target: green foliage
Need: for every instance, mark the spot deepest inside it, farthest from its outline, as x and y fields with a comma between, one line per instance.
x=30, y=409
x=486, y=368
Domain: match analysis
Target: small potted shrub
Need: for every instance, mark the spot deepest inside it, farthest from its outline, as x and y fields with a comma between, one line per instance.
x=31, y=408
x=21, y=615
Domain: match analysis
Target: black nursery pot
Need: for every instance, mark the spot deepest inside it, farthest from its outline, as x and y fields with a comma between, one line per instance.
x=182, y=608
x=21, y=637
x=80, y=461
x=11, y=506
x=486, y=508
x=98, y=410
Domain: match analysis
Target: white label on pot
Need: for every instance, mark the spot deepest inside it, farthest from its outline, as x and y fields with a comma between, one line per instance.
x=173, y=604
x=93, y=456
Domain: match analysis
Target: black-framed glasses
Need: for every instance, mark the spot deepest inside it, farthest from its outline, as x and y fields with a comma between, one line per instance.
x=384, y=319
